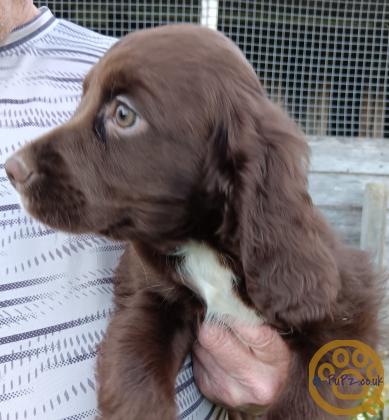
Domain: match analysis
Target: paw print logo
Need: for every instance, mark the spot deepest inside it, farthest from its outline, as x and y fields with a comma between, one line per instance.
x=346, y=370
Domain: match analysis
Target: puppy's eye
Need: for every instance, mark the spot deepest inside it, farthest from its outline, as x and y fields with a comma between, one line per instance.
x=124, y=116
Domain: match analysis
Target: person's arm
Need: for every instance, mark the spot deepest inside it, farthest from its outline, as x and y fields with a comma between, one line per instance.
x=246, y=374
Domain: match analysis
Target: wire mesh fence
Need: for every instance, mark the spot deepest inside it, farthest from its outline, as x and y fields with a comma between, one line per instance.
x=117, y=18
x=327, y=61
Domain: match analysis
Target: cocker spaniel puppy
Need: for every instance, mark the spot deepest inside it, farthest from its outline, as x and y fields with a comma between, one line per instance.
x=176, y=149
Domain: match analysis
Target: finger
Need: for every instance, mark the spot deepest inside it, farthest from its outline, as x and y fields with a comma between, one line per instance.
x=212, y=335
x=257, y=336
x=225, y=348
x=206, y=359
x=264, y=342
x=202, y=379
x=214, y=382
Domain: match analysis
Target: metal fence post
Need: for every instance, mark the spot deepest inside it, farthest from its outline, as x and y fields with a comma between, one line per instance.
x=209, y=13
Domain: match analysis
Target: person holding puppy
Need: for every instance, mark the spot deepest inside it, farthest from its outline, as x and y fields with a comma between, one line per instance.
x=56, y=289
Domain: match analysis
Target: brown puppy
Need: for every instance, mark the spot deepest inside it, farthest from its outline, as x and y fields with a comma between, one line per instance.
x=176, y=148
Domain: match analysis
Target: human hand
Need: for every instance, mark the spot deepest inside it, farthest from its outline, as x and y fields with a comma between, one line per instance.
x=244, y=368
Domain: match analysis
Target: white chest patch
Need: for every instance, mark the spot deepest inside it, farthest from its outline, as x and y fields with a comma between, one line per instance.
x=203, y=272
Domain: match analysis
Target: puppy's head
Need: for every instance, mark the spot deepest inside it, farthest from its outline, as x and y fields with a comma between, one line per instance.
x=131, y=161
x=175, y=139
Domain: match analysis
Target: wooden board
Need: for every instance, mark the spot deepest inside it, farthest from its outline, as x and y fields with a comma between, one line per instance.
x=339, y=172
x=350, y=155
x=340, y=190
x=347, y=223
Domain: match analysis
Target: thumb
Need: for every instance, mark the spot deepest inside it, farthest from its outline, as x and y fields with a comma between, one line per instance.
x=256, y=337
x=212, y=336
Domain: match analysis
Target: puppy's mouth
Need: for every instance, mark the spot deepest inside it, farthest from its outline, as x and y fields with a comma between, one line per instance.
x=47, y=195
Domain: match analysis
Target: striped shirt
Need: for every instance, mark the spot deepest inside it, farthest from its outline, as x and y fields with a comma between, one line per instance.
x=55, y=288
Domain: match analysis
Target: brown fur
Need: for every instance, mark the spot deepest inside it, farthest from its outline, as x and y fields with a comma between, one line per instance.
x=217, y=163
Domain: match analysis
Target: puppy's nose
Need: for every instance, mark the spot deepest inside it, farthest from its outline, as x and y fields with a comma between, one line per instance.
x=17, y=170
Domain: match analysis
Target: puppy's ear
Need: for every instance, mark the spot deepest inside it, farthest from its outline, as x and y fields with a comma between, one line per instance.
x=290, y=272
